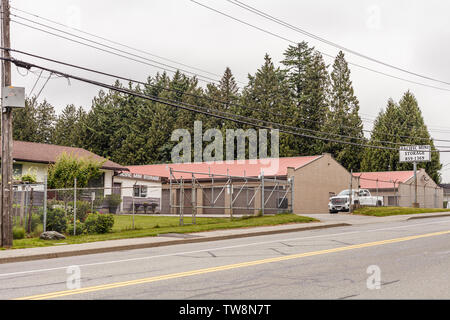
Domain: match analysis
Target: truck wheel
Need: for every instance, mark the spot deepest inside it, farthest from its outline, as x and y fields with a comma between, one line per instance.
x=379, y=204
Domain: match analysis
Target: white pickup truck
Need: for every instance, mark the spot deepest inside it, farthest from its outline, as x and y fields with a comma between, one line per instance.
x=341, y=202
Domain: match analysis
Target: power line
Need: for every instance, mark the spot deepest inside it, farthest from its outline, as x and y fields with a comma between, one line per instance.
x=325, y=54
x=205, y=78
x=115, y=42
x=299, y=30
x=266, y=111
x=197, y=96
x=194, y=108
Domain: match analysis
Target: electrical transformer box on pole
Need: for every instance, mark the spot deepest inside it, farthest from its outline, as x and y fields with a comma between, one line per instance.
x=13, y=97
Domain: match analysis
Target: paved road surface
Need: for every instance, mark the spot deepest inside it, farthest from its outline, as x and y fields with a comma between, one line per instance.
x=412, y=256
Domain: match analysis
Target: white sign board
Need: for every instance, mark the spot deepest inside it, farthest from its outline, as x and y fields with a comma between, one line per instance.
x=415, y=153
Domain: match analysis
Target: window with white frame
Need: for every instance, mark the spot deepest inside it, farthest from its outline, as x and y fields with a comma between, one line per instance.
x=140, y=191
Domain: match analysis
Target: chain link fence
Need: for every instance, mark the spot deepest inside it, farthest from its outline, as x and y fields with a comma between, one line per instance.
x=37, y=209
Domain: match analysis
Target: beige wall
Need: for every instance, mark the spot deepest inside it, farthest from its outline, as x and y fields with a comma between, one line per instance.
x=314, y=182
x=429, y=194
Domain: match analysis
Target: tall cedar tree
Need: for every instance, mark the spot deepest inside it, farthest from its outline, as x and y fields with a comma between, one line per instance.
x=343, y=118
x=266, y=95
x=309, y=87
x=394, y=124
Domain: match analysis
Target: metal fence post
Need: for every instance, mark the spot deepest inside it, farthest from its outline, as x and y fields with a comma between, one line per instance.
x=75, y=207
x=292, y=194
x=262, y=192
x=45, y=203
x=182, y=202
x=134, y=186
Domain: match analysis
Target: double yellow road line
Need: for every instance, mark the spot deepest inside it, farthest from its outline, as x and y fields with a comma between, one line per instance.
x=65, y=293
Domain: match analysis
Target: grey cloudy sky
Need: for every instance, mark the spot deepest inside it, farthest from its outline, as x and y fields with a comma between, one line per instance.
x=413, y=35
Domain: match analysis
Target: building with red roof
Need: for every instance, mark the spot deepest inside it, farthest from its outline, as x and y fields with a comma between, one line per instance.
x=310, y=179
x=398, y=187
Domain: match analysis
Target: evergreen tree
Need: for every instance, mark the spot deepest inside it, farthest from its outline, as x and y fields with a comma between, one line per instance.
x=401, y=123
x=35, y=122
x=309, y=86
x=265, y=97
x=45, y=118
x=102, y=122
x=25, y=125
x=68, y=127
x=343, y=118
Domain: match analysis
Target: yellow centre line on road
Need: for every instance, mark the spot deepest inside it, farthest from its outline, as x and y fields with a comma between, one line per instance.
x=60, y=294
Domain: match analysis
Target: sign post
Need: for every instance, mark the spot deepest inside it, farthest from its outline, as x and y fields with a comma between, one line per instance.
x=414, y=154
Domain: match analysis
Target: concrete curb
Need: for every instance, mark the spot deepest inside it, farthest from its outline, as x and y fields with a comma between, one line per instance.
x=79, y=252
x=431, y=216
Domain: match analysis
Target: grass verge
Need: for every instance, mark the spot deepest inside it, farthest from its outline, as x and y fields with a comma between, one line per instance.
x=392, y=211
x=148, y=226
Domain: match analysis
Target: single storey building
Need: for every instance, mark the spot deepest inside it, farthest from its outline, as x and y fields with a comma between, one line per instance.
x=397, y=188
x=299, y=184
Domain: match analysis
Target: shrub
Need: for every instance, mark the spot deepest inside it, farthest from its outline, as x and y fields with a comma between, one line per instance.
x=35, y=221
x=80, y=228
x=83, y=209
x=37, y=231
x=18, y=233
x=99, y=223
x=56, y=220
x=114, y=199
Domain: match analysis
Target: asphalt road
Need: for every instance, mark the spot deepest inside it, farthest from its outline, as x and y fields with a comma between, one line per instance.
x=395, y=260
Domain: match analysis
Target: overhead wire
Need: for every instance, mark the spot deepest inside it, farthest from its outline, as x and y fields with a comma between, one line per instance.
x=197, y=96
x=323, y=53
x=115, y=42
x=266, y=111
x=334, y=44
x=199, y=77
x=198, y=109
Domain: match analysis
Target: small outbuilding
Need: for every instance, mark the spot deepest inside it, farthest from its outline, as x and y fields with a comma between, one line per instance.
x=398, y=188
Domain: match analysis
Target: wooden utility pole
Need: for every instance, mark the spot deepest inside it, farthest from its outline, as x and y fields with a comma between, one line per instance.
x=7, y=141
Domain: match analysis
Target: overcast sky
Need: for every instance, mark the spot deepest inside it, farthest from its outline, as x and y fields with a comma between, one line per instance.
x=412, y=35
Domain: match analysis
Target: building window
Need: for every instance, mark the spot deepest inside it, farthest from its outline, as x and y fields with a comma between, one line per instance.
x=140, y=191
x=17, y=169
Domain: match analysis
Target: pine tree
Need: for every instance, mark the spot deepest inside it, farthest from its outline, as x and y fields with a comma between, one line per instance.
x=343, y=118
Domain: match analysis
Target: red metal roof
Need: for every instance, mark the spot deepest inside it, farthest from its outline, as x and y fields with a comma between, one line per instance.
x=248, y=168
x=386, y=179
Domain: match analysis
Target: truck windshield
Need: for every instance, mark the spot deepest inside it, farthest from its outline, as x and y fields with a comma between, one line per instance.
x=346, y=193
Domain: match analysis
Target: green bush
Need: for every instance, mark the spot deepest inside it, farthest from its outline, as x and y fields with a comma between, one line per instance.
x=79, y=226
x=37, y=231
x=18, y=233
x=114, y=199
x=99, y=223
x=56, y=220
x=35, y=221
x=83, y=209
